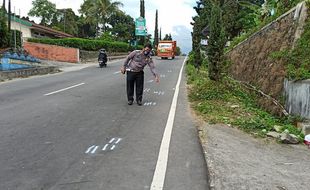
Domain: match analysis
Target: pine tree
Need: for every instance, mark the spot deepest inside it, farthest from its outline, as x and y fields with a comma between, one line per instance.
x=142, y=14
x=142, y=9
x=156, y=30
x=4, y=35
x=216, y=43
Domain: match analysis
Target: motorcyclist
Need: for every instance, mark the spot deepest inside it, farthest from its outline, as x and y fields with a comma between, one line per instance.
x=102, y=58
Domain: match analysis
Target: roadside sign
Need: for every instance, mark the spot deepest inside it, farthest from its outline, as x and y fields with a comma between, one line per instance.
x=140, y=27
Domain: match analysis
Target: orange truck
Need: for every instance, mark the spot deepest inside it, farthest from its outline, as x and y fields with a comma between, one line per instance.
x=166, y=49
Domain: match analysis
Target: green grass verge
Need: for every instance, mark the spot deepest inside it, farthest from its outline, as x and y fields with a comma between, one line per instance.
x=228, y=103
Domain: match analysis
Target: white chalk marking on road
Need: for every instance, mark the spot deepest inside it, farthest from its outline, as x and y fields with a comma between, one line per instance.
x=111, y=140
x=112, y=148
x=105, y=147
x=154, y=103
x=64, y=89
x=118, y=140
x=89, y=149
x=117, y=72
x=147, y=90
x=162, y=161
x=150, y=81
x=94, y=149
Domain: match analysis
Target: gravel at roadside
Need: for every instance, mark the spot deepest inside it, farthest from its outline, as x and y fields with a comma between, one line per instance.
x=236, y=160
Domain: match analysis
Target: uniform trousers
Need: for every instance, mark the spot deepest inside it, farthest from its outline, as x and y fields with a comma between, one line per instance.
x=135, y=80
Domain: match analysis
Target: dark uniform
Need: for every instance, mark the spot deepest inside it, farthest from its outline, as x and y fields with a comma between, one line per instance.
x=134, y=64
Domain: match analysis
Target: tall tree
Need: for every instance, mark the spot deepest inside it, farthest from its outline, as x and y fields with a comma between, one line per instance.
x=168, y=37
x=160, y=34
x=98, y=12
x=142, y=9
x=123, y=26
x=3, y=5
x=4, y=35
x=216, y=44
x=43, y=9
x=142, y=14
x=65, y=20
x=156, y=29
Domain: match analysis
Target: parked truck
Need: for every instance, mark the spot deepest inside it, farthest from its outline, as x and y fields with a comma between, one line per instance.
x=166, y=49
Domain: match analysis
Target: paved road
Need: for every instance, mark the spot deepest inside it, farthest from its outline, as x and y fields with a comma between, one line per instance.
x=75, y=131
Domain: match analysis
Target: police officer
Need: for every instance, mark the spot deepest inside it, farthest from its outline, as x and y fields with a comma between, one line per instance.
x=134, y=65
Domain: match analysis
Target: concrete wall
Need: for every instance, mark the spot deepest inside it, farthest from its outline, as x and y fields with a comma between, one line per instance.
x=251, y=59
x=297, y=97
x=22, y=73
x=52, y=52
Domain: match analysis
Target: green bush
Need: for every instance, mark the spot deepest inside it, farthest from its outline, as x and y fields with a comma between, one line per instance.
x=226, y=101
x=86, y=44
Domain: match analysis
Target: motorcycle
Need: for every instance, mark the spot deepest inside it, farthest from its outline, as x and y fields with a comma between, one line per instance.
x=102, y=64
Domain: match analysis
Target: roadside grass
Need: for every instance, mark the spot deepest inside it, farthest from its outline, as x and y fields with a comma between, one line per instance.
x=229, y=103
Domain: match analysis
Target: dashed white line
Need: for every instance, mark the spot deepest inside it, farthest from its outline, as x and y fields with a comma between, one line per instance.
x=64, y=89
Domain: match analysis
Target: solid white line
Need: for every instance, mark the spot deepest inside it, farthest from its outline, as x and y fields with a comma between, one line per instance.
x=64, y=89
x=105, y=147
x=94, y=149
x=162, y=161
x=89, y=149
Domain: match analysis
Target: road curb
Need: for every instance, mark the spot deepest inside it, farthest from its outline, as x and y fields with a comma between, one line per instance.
x=210, y=168
x=201, y=132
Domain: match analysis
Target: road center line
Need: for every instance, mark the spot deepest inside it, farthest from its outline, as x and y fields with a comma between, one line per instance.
x=162, y=161
x=63, y=89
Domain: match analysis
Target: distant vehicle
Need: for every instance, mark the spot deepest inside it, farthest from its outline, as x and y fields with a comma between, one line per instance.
x=166, y=49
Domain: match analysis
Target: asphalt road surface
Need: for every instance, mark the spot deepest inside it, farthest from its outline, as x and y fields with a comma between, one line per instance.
x=75, y=131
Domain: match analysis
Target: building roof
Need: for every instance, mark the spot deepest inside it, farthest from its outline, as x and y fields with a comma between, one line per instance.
x=41, y=28
x=48, y=30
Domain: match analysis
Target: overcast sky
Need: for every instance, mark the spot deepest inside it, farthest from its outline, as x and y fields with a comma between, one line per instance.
x=174, y=16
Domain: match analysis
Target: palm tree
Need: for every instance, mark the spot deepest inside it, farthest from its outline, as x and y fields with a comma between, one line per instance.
x=98, y=11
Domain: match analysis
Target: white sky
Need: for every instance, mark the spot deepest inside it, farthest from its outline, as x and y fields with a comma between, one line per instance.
x=174, y=16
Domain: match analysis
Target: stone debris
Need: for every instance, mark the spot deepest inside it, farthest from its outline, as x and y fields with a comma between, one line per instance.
x=274, y=134
x=289, y=138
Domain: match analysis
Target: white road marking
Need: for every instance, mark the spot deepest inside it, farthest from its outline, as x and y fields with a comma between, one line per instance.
x=161, y=165
x=94, y=149
x=89, y=149
x=111, y=140
x=118, y=140
x=64, y=89
x=117, y=72
x=112, y=148
x=105, y=147
x=150, y=81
